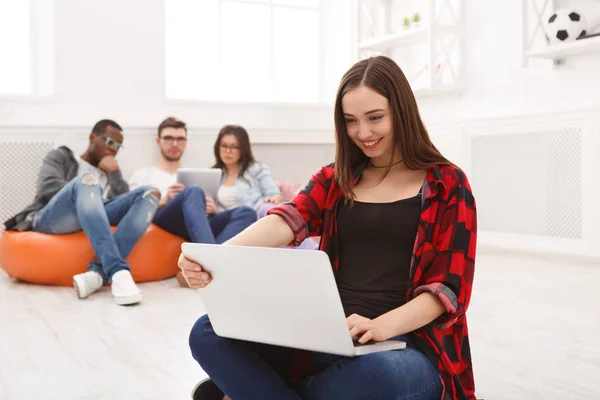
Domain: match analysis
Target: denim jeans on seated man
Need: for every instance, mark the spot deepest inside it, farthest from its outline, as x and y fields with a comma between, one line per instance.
x=79, y=206
x=246, y=370
x=185, y=216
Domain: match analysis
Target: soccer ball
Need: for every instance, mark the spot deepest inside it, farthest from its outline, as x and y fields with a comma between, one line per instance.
x=565, y=26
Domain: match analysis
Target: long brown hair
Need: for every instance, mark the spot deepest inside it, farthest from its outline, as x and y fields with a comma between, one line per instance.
x=384, y=76
x=246, y=157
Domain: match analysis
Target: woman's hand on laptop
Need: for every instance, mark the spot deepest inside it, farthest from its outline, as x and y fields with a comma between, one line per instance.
x=366, y=329
x=193, y=273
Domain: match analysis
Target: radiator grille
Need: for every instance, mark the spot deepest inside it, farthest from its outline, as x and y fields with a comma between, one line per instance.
x=19, y=166
x=529, y=182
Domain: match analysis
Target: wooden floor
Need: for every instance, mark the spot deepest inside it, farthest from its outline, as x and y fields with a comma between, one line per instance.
x=535, y=328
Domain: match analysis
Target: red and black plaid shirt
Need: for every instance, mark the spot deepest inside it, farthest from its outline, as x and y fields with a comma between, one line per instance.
x=443, y=261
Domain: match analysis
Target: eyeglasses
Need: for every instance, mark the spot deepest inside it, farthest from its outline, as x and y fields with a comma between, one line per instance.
x=172, y=139
x=112, y=143
x=224, y=147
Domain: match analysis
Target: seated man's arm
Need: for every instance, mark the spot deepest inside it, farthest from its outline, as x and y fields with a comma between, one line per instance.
x=52, y=175
x=116, y=184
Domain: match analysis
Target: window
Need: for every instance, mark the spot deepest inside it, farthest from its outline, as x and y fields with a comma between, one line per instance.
x=25, y=45
x=248, y=50
x=15, y=39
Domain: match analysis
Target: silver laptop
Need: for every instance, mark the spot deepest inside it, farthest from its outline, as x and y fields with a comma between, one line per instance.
x=209, y=179
x=283, y=297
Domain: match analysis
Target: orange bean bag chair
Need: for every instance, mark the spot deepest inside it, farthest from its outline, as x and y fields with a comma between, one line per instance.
x=54, y=259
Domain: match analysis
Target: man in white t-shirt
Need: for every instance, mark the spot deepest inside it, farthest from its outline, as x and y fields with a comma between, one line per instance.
x=186, y=211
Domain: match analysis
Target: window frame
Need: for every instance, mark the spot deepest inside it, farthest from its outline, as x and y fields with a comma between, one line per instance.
x=41, y=54
x=322, y=100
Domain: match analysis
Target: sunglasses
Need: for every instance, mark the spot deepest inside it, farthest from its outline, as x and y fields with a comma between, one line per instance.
x=112, y=143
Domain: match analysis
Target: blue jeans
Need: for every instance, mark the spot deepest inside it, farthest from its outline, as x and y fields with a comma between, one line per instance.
x=185, y=216
x=245, y=370
x=79, y=206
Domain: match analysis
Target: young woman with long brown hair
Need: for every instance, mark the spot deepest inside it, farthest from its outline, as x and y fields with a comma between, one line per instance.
x=398, y=221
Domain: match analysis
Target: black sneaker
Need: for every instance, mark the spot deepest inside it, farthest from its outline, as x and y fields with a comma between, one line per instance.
x=207, y=390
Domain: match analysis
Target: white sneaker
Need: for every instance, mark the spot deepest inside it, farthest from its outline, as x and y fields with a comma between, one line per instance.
x=87, y=283
x=124, y=289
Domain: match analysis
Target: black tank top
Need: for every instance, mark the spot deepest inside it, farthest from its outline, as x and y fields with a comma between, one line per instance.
x=376, y=244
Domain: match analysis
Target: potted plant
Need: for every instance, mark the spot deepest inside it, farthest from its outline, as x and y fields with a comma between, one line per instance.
x=417, y=19
x=406, y=23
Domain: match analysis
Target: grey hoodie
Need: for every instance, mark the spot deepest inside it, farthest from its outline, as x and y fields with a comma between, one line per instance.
x=58, y=168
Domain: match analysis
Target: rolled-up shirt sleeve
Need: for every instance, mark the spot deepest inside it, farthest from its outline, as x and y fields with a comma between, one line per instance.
x=304, y=213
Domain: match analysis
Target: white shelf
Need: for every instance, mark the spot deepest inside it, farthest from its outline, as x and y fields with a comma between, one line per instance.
x=398, y=39
x=563, y=50
x=438, y=37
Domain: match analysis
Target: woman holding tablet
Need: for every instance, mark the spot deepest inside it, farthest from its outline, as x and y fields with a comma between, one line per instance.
x=398, y=222
x=246, y=182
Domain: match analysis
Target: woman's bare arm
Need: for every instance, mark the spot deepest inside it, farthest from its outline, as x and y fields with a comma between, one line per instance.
x=270, y=231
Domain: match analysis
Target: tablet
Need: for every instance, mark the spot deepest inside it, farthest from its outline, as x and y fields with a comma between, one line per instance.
x=209, y=179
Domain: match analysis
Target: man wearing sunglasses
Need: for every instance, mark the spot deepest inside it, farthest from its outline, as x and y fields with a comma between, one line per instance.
x=185, y=210
x=88, y=193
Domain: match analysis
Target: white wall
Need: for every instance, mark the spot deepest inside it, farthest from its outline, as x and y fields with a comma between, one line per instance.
x=502, y=97
x=497, y=85
x=109, y=63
